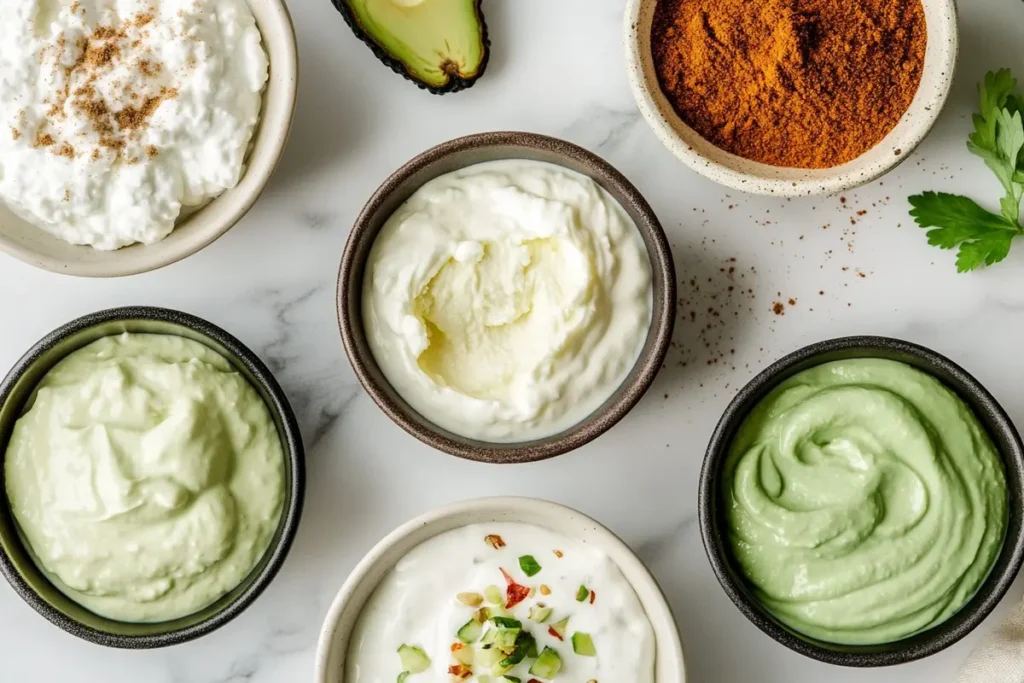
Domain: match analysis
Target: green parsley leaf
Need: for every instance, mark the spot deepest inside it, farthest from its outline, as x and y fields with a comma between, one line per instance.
x=983, y=237
x=529, y=565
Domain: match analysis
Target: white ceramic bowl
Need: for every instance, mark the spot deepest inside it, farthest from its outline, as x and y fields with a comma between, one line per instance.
x=337, y=629
x=201, y=228
x=750, y=176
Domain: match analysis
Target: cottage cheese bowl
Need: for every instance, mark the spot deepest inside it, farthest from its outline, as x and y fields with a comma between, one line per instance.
x=155, y=124
x=426, y=584
x=153, y=477
x=506, y=297
x=832, y=480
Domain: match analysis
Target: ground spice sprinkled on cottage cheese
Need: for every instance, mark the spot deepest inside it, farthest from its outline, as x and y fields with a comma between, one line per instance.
x=122, y=112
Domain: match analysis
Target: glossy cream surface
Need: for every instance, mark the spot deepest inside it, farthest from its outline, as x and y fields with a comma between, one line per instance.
x=507, y=301
x=147, y=477
x=865, y=502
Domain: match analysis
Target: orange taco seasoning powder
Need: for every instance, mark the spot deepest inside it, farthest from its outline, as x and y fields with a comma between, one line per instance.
x=797, y=83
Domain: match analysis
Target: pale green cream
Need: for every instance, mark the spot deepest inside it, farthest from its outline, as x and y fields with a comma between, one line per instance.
x=864, y=501
x=147, y=477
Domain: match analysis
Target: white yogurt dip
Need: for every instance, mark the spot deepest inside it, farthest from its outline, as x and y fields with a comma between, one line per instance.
x=422, y=604
x=116, y=114
x=507, y=301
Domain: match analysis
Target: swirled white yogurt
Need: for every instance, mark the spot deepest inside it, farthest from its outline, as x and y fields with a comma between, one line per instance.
x=508, y=300
x=116, y=114
x=446, y=603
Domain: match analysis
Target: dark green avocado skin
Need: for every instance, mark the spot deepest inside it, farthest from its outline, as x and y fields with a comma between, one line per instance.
x=455, y=83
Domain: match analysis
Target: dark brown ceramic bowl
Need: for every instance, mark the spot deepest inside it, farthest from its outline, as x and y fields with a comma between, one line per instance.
x=16, y=562
x=996, y=422
x=475, y=149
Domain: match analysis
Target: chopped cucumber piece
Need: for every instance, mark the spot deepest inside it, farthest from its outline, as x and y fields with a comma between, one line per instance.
x=489, y=656
x=494, y=595
x=540, y=614
x=529, y=565
x=583, y=644
x=558, y=629
x=414, y=659
x=582, y=594
x=524, y=643
x=462, y=654
x=548, y=664
x=512, y=679
x=471, y=632
x=489, y=637
x=505, y=638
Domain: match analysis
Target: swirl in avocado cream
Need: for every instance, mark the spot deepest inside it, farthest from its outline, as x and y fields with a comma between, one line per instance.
x=865, y=502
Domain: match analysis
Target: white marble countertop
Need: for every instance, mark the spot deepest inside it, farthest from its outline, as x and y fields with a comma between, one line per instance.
x=556, y=68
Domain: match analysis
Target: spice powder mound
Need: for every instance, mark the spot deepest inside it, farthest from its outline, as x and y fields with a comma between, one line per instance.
x=795, y=83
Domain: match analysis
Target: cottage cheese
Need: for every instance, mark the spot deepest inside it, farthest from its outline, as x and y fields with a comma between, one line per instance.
x=116, y=114
x=507, y=301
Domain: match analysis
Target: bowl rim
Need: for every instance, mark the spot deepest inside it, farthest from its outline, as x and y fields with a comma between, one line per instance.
x=632, y=389
x=134, y=258
x=291, y=512
x=752, y=183
x=917, y=646
x=371, y=567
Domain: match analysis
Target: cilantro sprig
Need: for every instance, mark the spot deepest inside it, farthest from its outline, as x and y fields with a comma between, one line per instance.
x=980, y=236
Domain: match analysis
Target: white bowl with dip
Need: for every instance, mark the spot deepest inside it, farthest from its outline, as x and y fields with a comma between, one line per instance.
x=757, y=178
x=343, y=622
x=195, y=228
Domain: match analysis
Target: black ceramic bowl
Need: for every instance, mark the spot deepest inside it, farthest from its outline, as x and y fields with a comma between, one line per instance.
x=451, y=156
x=16, y=563
x=997, y=424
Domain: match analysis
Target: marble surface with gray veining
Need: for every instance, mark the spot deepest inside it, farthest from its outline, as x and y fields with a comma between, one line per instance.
x=851, y=265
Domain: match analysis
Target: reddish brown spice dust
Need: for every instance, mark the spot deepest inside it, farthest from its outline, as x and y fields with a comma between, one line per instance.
x=796, y=83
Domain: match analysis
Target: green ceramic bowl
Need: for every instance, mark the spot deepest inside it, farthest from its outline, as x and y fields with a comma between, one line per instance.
x=16, y=563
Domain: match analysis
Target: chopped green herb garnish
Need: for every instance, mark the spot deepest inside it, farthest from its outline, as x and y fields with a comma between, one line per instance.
x=980, y=236
x=506, y=622
x=583, y=644
x=402, y=676
x=524, y=644
x=414, y=659
x=529, y=565
x=582, y=594
x=548, y=664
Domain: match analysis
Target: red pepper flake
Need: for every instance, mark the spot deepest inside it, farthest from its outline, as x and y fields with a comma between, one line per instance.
x=515, y=593
x=533, y=680
x=456, y=647
x=593, y=596
x=495, y=541
x=552, y=632
x=460, y=671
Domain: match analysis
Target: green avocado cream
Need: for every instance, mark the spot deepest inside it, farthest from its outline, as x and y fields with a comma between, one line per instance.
x=864, y=501
x=147, y=477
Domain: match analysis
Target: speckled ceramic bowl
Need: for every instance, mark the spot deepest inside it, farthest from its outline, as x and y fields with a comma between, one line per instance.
x=996, y=422
x=201, y=228
x=750, y=176
x=475, y=149
x=335, y=637
x=17, y=565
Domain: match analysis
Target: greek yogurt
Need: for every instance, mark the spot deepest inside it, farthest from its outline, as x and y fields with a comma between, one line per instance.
x=117, y=114
x=460, y=605
x=508, y=300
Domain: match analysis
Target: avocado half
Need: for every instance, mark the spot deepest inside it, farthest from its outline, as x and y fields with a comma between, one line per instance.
x=441, y=45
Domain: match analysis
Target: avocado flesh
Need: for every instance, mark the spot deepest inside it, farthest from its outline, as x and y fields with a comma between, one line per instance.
x=436, y=41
